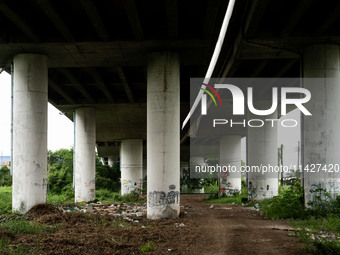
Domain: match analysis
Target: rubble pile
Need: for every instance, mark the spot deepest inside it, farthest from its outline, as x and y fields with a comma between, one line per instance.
x=115, y=209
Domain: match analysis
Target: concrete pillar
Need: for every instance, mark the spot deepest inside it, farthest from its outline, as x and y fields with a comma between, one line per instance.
x=85, y=160
x=196, y=161
x=262, y=151
x=230, y=156
x=321, y=130
x=163, y=136
x=131, y=165
x=30, y=131
x=113, y=159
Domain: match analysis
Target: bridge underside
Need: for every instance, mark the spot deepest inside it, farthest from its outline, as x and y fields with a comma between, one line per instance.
x=123, y=69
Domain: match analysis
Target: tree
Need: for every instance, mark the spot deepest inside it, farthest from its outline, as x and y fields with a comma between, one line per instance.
x=60, y=170
x=5, y=176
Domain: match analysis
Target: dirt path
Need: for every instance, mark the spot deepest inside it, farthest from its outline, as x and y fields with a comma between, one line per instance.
x=233, y=229
x=201, y=229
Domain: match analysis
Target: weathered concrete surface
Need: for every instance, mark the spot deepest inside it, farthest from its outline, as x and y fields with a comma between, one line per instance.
x=163, y=136
x=230, y=155
x=321, y=130
x=131, y=165
x=85, y=161
x=30, y=131
x=262, y=151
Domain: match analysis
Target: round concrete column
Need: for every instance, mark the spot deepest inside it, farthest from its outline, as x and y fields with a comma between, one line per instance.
x=85, y=160
x=196, y=161
x=163, y=130
x=131, y=165
x=30, y=131
x=321, y=130
x=113, y=159
x=262, y=151
x=230, y=156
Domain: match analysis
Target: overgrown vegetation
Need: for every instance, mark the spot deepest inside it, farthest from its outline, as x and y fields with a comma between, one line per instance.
x=318, y=226
x=288, y=204
x=194, y=185
x=235, y=199
x=6, y=200
x=60, y=177
x=5, y=176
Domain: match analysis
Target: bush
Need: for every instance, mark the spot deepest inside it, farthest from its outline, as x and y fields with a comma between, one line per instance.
x=289, y=204
x=5, y=176
x=60, y=177
x=107, y=177
x=60, y=170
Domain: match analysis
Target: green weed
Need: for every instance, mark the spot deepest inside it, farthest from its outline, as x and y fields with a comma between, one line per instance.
x=148, y=247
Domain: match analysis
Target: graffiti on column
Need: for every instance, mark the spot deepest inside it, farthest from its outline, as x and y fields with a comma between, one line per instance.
x=129, y=186
x=158, y=198
x=322, y=195
x=252, y=191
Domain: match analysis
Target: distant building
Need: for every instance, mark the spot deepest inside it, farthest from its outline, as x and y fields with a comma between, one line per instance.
x=5, y=161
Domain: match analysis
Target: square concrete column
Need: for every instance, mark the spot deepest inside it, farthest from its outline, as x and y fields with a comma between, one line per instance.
x=85, y=154
x=230, y=156
x=163, y=136
x=131, y=165
x=321, y=133
x=29, y=131
x=262, y=152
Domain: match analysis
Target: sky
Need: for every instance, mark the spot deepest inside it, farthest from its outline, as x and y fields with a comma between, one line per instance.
x=60, y=128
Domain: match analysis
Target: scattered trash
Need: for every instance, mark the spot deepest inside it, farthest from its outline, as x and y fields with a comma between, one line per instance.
x=115, y=209
x=179, y=225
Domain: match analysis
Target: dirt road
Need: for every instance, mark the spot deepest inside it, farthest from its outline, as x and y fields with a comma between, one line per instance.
x=232, y=229
x=201, y=229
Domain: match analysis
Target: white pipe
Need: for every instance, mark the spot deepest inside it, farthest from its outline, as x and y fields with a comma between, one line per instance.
x=214, y=58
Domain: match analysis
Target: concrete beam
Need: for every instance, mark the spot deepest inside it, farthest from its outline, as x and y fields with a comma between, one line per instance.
x=133, y=16
x=96, y=20
x=56, y=19
x=126, y=85
x=172, y=18
x=96, y=76
x=19, y=22
x=61, y=92
x=77, y=84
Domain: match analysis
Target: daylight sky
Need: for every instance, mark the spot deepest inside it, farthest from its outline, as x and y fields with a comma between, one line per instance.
x=60, y=128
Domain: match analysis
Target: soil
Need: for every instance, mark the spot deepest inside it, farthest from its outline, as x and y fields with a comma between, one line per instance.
x=200, y=229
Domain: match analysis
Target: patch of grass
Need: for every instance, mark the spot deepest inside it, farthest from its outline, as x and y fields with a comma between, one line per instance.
x=330, y=223
x=7, y=249
x=134, y=198
x=59, y=199
x=235, y=199
x=212, y=188
x=327, y=247
x=6, y=200
x=22, y=226
x=105, y=195
x=148, y=248
x=309, y=232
